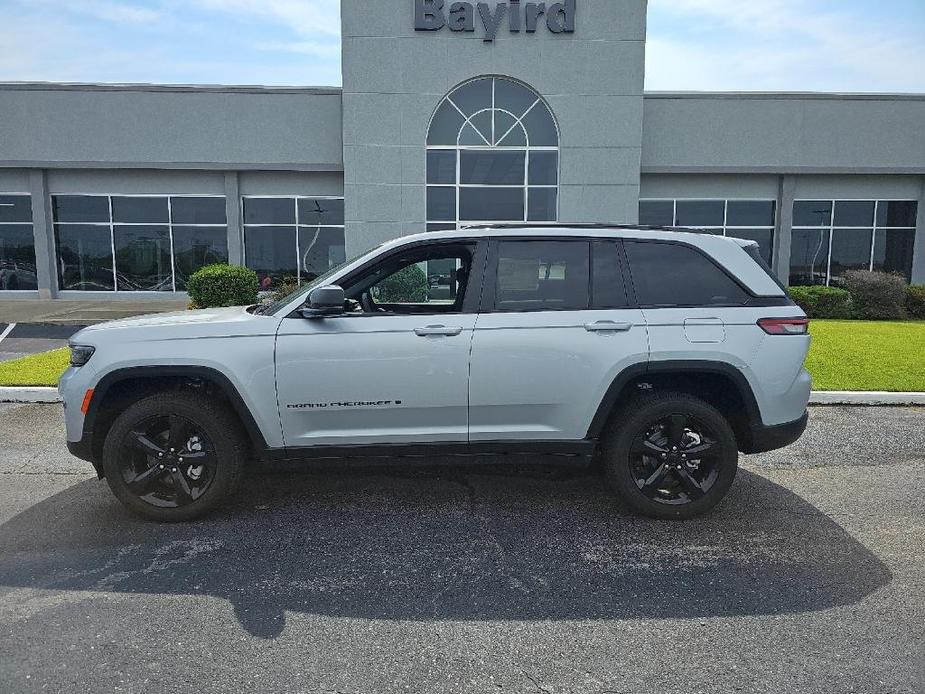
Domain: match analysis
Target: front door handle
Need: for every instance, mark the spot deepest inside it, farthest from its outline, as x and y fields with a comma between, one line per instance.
x=438, y=330
x=605, y=326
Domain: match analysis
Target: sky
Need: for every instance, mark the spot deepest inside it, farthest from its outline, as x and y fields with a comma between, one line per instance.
x=742, y=45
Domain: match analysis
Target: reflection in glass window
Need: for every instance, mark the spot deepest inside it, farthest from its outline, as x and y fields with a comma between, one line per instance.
x=543, y=276
x=293, y=251
x=17, y=244
x=84, y=254
x=493, y=146
x=850, y=251
x=809, y=257
x=851, y=235
x=893, y=249
x=271, y=251
x=124, y=242
x=744, y=219
x=142, y=258
x=195, y=247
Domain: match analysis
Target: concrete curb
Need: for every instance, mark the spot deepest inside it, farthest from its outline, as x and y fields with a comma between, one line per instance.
x=820, y=397
x=850, y=397
x=29, y=394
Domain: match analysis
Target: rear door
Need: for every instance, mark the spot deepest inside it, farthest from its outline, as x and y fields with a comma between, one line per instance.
x=554, y=329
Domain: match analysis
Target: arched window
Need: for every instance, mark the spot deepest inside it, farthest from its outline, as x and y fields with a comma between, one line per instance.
x=492, y=156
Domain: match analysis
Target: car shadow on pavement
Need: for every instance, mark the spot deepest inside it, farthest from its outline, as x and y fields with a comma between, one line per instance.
x=462, y=543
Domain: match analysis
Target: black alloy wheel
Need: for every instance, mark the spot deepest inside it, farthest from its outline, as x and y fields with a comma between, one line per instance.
x=670, y=455
x=168, y=462
x=174, y=456
x=675, y=460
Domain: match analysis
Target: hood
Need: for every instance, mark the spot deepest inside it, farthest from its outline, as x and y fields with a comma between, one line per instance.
x=174, y=319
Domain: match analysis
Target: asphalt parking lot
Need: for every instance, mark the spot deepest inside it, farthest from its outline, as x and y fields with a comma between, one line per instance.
x=22, y=339
x=809, y=577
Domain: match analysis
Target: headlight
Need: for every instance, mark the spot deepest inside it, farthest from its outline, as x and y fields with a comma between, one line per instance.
x=80, y=354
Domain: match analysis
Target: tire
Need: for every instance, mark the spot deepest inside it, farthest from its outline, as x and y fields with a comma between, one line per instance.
x=151, y=473
x=642, y=467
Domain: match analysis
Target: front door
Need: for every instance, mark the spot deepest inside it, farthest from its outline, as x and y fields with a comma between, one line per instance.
x=394, y=368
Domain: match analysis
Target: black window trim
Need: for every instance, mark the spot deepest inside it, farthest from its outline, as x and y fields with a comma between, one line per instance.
x=628, y=290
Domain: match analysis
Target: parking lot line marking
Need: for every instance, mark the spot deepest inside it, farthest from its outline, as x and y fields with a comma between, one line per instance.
x=7, y=331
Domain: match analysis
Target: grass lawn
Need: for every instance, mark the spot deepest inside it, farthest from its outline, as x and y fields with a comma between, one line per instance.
x=867, y=355
x=43, y=369
x=846, y=355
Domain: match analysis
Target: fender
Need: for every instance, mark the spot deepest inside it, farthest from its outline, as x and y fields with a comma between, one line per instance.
x=680, y=367
x=217, y=378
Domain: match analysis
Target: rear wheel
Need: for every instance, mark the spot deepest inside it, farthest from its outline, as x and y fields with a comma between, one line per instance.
x=173, y=456
x=670, y=455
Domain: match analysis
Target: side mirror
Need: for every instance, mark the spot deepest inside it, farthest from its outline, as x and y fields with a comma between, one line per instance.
x=324, y=301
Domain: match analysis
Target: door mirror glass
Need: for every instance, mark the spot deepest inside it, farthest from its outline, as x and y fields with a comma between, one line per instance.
x=325, y=301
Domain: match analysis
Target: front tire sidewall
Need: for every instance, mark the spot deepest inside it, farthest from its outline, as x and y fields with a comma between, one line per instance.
x=213, y=421
x=645, y=412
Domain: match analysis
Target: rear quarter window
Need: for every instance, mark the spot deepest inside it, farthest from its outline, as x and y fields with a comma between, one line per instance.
x=670, y=274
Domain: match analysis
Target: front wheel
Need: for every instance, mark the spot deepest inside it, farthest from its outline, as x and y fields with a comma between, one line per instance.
x=173, y=456
x=670, y=455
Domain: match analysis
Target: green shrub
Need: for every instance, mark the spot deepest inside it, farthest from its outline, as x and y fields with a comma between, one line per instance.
x=915, y=301
x=822, y=302
x=407, y=286
x=876, y=295
x=222, y=285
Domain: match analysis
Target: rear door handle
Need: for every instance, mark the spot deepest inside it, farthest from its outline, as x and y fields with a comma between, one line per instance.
x=432, y=330
x=604, y=326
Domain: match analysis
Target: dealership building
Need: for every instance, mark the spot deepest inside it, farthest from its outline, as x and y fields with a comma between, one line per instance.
x=450, y=114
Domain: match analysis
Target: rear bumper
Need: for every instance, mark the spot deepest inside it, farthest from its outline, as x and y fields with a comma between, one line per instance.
x=769, y=438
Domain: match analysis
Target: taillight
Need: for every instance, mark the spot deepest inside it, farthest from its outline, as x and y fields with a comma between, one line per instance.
x=784, y=326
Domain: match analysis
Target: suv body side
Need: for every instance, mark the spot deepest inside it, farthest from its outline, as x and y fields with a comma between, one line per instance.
x=511, y=373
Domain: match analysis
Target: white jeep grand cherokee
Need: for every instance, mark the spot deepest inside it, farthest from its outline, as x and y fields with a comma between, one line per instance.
x=663, y=354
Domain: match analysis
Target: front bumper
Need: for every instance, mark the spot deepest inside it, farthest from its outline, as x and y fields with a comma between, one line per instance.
x=81, y=449
x=769, y=438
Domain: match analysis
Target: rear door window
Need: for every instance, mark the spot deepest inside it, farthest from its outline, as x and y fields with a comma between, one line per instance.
x=543, y=276
x=669, y=274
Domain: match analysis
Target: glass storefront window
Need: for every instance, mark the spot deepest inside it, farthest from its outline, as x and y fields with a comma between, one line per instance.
x=196, y=247
x=492, y=156
x=84, y=257
x=17, y=244
x=844, y=235
x=745, y=219
x=809, y=256
x=292, y=239
x=149, y=243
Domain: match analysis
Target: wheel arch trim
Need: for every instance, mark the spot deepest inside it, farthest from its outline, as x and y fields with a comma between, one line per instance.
x=205, y=373
x=680, y=367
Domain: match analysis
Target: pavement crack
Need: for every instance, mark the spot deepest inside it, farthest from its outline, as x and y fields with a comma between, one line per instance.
x=535, y=682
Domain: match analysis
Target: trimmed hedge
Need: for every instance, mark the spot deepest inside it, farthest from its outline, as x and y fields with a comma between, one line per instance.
x=915, y=301
x=408, y=285
x=222, y=285
x=823, y=302
x=876, y=295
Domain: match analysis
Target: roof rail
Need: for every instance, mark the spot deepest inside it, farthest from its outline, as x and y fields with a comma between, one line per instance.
x=576, y=225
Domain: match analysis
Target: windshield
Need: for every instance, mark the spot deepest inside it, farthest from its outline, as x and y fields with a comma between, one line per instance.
x=275, y=307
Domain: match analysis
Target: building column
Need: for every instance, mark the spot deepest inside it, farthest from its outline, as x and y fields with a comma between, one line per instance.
x=786, y=191
x=233, y=214
x=43, y=233
x=918, y=256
